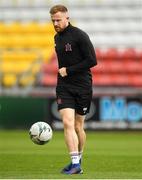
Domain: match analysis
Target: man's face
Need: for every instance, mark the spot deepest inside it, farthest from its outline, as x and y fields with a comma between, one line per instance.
x=60, y=21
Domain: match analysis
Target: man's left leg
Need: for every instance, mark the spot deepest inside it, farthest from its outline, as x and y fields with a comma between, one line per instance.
x=79, y=128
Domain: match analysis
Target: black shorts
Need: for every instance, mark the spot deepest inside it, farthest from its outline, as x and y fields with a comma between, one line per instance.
x=77, y=99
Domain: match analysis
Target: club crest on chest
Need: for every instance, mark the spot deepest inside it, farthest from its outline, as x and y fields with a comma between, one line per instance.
x=68, y=47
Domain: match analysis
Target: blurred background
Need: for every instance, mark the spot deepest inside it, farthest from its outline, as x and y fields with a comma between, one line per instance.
x=28, y=64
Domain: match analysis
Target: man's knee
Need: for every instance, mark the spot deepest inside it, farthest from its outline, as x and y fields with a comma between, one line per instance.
x=68, y=122
x=79, y=122
x=78, y=126
x=67, y=118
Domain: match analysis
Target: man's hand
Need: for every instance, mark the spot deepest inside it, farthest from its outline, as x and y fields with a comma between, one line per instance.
x=63, y=72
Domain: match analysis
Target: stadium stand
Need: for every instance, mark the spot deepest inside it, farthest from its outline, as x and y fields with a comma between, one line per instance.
x=24, y=47
x=26, y=41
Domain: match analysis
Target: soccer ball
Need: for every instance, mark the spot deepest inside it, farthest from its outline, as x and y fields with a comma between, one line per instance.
x=40, y=133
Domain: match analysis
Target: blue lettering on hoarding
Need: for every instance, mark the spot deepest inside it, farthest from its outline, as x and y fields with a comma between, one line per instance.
x=134, y=111
x=117, y=109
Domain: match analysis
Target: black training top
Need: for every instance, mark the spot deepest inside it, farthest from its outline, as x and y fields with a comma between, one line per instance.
x=75, y=52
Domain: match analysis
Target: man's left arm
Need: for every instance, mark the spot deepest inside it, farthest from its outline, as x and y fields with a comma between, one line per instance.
x=88, y=54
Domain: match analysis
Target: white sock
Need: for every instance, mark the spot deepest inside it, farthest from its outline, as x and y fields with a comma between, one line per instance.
x=74, y=157
x=80, y=154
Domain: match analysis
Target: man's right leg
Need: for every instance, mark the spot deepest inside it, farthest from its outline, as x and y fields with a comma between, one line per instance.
x=71, y=139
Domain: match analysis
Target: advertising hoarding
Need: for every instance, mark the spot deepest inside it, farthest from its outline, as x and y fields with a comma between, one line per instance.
x=107, y=112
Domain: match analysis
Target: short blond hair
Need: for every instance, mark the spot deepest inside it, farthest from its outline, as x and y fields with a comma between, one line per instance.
x=58, y=8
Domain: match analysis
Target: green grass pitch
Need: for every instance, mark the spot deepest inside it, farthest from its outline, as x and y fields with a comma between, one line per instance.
x=107, y=155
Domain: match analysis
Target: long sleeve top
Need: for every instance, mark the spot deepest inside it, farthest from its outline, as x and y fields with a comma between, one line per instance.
x=75, y=52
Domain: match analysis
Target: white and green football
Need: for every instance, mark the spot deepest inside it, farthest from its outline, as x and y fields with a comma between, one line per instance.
x=41, y=133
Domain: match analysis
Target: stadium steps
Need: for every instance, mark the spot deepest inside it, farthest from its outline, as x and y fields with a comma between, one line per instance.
x=118, y=67
x=124, y=80
x=49, y=72
x=115, y=68
x=33, y=35
x=9, y=80
x=109, y=23
x=23, y=48
x=19, y=74
x=9, y=56
x=26, y=41
x=26, y=28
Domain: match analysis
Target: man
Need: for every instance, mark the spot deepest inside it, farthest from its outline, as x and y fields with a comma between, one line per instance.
x=76, y=56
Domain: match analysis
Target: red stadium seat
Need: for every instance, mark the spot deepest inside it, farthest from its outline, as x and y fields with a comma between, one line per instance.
x=133, y=66
x=48, y=80
x=136, y=80
x=117, y=80
x=98, y=54
x=118, y=67
x=50, y=68
x=139, y=55
x=128, y=54
x=111, y=54
x=110, y=71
